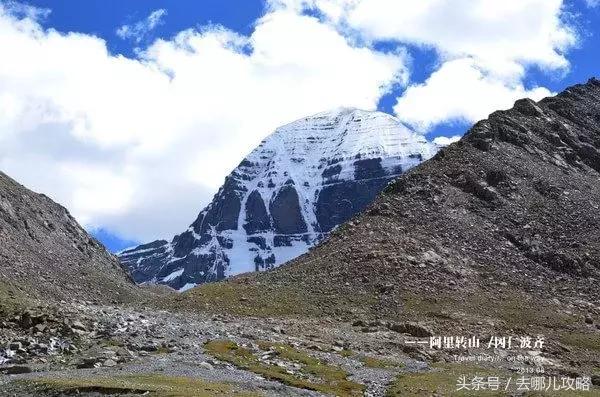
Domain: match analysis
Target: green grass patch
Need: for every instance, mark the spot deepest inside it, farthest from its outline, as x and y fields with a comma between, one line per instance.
x=247, y=298
x=313, y=373
x=153, y=384
x=11, y=300
x=514, y=309
x=521, y=312
x=112, y=342
x=242, y=299
x=163, y=350
x=346, y=353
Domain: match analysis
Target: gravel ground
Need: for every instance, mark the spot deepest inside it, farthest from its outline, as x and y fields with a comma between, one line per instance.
x=117, y=341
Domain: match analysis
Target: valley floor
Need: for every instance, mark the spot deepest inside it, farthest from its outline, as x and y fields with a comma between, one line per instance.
x=94, y=350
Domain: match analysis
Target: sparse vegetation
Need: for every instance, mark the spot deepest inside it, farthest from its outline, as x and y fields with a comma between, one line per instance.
x=243, y=298
x=347, y=353
x=312, y=375
x=514, y=309
x=373, y=362
x=11, y=300
x=582, y=341
x=441, y=381
x=153, y=384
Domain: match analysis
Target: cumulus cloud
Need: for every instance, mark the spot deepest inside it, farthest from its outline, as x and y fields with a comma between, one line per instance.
x=140, y=30
x=592, y=3
x=460, y=91
x=138, y=146
x=490, y=31
x=484, y=46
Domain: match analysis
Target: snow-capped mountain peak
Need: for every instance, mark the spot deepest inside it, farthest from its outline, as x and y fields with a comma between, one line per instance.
x=303, y=180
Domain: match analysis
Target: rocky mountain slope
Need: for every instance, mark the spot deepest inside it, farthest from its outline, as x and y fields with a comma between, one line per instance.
x=287, y=195
x=495, y=235
x=45, y=254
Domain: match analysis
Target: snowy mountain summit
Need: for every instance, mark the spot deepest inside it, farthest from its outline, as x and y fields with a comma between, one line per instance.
x=294, y=188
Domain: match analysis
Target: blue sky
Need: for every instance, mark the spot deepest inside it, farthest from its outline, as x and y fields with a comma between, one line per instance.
x=103, y=17
x=149, y=104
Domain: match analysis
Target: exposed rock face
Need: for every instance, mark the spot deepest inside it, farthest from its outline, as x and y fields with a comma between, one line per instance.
x=286, y=196
x=45, y=254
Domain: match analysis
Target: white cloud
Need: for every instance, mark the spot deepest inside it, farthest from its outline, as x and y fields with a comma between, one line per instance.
x=460, y=91
x=592, y=3
x=140, y=30
x=484, y=48
x=445, y=141
x=490, y=31
x=531, y=31
x=25, y=10
x=138, y=146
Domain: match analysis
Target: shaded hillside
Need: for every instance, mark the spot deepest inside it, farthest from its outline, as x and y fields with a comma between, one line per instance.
x=46, y=255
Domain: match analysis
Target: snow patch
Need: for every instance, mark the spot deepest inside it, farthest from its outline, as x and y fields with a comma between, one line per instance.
x=173, y=275
x=188, y=286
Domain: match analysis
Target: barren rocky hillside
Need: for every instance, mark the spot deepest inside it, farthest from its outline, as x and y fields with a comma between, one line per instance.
x=46, y=255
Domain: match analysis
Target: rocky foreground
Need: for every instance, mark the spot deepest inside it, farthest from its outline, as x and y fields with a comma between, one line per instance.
x=114, y=350
x=95, y=349
x=91, y=349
